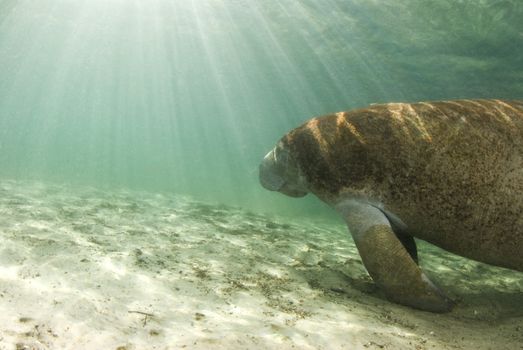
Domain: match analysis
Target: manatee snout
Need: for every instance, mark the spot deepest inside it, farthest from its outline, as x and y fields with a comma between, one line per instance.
x=277, y=173
x=269, y=177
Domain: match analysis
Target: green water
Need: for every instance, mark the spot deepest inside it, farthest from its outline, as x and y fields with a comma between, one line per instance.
x=187, y=96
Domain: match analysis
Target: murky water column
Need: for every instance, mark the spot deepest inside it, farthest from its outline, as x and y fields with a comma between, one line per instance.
x=187, y=96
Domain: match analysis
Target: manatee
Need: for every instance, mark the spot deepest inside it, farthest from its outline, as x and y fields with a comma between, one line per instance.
x=448, y=172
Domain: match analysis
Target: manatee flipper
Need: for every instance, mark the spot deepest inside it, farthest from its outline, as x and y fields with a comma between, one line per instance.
x=408, y=243
x=400, y=229
x=388, y=261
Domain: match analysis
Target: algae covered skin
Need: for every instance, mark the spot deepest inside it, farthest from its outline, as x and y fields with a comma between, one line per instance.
x=448, y=172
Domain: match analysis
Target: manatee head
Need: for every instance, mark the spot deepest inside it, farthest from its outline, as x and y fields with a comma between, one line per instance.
x=280, y=172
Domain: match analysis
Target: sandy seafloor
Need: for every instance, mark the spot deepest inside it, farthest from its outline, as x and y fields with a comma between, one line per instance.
x=92, y=269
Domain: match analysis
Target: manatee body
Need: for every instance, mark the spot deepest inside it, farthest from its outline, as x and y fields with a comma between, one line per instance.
x=450, y=173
